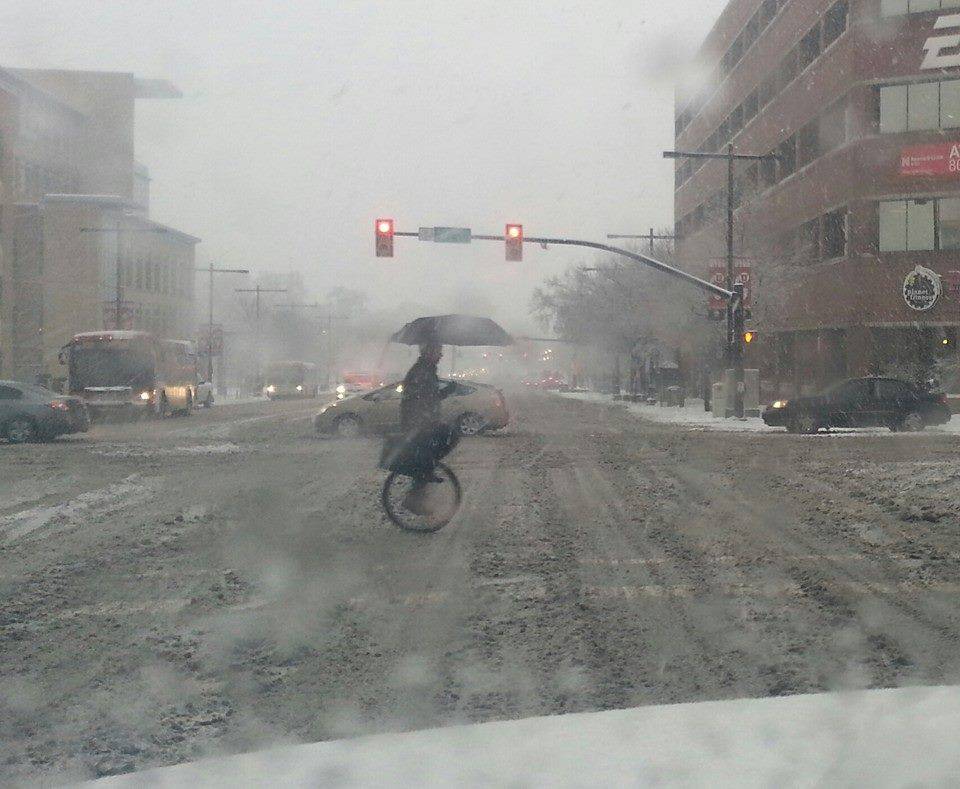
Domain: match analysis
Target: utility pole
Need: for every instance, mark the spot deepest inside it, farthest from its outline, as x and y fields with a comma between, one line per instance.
x=329, y=330
x=211, y=271
x=120, y=229
x=259, y=327
x=651, y=236
x=734, y=345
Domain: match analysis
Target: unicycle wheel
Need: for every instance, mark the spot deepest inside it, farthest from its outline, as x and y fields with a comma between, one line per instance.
x=428, y=509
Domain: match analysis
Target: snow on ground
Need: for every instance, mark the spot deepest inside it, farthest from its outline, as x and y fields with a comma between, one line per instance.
x=694, y=417
x=878, y=738
x=134, y=489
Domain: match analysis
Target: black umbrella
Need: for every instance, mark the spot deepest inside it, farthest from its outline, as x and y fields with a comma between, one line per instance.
x=452, y=330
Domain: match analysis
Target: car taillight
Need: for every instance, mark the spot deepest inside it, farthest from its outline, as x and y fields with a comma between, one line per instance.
x=59, y=405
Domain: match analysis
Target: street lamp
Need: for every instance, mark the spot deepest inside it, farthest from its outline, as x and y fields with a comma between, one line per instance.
x=734, y=308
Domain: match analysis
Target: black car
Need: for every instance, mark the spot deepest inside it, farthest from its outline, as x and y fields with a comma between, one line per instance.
x=32, y=413
x=861, y=402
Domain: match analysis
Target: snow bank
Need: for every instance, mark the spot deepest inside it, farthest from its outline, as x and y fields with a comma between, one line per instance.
x=868, y=738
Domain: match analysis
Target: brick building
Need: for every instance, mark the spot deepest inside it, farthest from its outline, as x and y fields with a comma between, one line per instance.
x=66, y=163
x=853, y=232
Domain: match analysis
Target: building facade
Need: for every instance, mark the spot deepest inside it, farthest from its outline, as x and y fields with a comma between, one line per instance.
x=852, y=233
x=74, y=210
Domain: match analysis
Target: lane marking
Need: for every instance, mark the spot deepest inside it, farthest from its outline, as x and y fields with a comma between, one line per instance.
x=601, y=561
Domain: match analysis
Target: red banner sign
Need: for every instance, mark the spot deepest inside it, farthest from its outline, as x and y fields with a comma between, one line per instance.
x=937, y=159
x=718, y=276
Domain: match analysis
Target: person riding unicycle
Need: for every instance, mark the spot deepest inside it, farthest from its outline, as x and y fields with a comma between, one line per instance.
x=426, y=438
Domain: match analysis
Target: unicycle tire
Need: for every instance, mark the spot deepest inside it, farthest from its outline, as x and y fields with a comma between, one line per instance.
x=397, y=485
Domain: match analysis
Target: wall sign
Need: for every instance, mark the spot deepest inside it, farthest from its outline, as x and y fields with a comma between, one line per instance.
x=934, y=159
x=921, y=289
x=935, y=45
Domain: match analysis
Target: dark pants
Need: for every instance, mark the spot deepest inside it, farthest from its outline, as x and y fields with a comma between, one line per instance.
x=416, y=452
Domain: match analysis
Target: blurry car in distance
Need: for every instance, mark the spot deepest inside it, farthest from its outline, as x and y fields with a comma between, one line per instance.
x=32, y=413
x=291, y=379
x=353, y=383
x=473, y=407
x=861, y=402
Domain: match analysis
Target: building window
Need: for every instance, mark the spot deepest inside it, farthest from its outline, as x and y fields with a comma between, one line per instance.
x=834, y=23
x=948, y=223
x=766, y=92
x=787, y=151
x=808, y=143
x=788, y=69
x=950, y=104
x=768, y=172
x=749, y=108
x=833, y=234
x=923, y=106
x=898, y=7
x=893, y=225
x=808, y=240
x=809, y=48
x=893, y=109
x=920, y=225
x=907, y=225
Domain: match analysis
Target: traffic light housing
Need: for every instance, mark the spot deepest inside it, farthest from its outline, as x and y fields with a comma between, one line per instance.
x=383, y=228
x=513, y=238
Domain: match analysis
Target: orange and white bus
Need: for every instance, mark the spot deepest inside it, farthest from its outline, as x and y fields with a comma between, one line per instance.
x=132, y=371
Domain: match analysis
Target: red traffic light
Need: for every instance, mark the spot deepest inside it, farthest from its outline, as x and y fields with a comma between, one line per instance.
x=384, y=233
x=513, y=238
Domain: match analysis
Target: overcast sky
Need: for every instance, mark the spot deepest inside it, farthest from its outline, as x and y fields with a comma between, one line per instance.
x=302, y=122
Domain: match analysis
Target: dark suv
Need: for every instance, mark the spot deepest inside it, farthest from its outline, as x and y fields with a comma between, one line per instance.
x=861, y=402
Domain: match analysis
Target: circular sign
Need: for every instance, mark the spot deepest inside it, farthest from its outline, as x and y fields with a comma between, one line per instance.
x=921, y=288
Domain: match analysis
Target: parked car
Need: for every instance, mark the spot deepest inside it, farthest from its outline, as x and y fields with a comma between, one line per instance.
x=861, y=402
x=32, y=413
x=472, y=406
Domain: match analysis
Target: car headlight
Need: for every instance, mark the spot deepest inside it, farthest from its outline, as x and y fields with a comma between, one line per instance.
x=341, y=390
x=271, y=389
x=144, y=396
x=779, y=404
x=299, y=388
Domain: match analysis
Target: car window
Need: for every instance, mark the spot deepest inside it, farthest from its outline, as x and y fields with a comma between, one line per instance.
x=854, y=391
x=892, y=389
x=9, y=393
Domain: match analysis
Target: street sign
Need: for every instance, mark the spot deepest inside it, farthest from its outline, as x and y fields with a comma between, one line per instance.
x=717, y=305
x=446, y=235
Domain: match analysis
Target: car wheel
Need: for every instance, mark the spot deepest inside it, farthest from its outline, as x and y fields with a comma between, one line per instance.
x=470, y=424
x=20, y=430
x=806, y=424
x=912, y=422
x=347, y=426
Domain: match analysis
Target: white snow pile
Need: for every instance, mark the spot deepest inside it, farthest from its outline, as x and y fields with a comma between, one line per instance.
x=142, y=451
x=873, y=738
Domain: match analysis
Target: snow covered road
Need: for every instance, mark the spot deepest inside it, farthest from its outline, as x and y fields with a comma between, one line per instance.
x=228, y=582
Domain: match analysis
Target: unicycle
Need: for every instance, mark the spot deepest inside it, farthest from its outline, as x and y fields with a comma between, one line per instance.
x=425, y=506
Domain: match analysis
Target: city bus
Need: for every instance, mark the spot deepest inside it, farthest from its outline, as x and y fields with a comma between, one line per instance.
x=291, y=379
x=130, y=372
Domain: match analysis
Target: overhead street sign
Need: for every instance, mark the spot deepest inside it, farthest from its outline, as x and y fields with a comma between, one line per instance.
x=446, y=235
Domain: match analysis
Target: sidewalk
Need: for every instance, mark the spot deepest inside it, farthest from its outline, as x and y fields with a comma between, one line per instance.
x=694, y=417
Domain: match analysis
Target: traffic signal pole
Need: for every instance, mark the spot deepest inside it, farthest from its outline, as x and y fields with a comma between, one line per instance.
x=734, y=345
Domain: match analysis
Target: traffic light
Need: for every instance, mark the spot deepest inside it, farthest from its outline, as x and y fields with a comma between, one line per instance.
x=749, y=336
x=514, y=242
x=384, y=231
